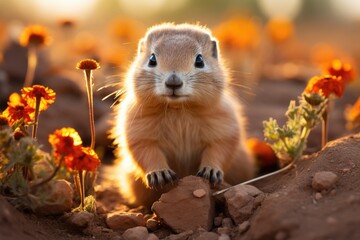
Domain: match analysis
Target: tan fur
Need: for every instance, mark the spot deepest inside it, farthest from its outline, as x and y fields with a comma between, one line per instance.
x=202, y=128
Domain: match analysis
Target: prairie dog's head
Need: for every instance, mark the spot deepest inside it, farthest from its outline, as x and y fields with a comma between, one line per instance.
x=178, y=64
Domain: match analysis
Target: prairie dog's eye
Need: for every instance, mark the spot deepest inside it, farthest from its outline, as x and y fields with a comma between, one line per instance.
x=152, y=61
x=199, y=61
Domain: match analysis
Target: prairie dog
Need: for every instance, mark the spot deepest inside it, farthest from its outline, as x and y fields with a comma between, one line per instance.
x=178, y=116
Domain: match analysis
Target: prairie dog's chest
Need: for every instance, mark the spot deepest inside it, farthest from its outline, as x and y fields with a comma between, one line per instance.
x=180, y=131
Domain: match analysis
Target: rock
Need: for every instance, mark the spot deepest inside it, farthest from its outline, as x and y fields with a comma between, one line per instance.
x=152, y=224
x=324, y=180
x=240, y=202
x=123, y=221
x=199, y=193
x=173, y=207
x=207, y=236
x=243, y=227
x=281, y=236
x=152, y=237
x=136, y=233
x=331, y=220
x=223, y=230
x=60, y=199
x=224, y=237
x=318, y=196
x=180, y=236
x=227, y=222
x=81, y=219
x=218, y=221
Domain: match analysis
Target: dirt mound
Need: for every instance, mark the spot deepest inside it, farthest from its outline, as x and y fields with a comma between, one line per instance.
x=294, y=210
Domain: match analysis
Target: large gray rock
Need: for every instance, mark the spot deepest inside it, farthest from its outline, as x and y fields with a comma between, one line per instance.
x=182, y=211
x=241, y=201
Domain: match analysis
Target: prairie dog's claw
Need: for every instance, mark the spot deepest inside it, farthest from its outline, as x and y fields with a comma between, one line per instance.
x=214, y=176
x=160, y=178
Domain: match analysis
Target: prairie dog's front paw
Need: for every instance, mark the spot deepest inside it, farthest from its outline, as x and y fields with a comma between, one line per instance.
x=156, y=179
x=215, y=176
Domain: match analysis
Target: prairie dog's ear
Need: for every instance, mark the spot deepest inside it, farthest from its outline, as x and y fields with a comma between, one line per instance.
x=214, y=48
x=141, y=45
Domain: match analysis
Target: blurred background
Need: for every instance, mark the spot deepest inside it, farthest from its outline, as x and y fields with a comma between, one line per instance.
x=273, y=47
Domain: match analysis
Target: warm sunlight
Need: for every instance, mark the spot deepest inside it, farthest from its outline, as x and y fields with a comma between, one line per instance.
x=150, y=8
x=278, y=8
x=64, y=9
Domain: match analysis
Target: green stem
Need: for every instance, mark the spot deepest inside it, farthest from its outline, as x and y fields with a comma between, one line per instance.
x=89, y=90
x=82, y=189
x=325, y=126
x=33, y=188
x=36, y=121
x=32, y=62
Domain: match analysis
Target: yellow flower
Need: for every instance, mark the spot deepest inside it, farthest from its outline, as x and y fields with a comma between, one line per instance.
x=46, y=95
x=35, y=35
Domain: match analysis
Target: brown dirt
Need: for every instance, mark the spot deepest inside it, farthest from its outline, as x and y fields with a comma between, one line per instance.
x=290, y=210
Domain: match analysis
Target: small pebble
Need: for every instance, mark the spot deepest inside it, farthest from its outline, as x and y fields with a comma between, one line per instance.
x=352, y=199
x=224, y=237
x=281, y=236
x=199, y=193
x=324, y=180
x=318, y=196
x=152, y=224
x=227, y=222
x=81, y=219
x=331, y=220
x=218, y=221
x=223, y=230
x=152, y=237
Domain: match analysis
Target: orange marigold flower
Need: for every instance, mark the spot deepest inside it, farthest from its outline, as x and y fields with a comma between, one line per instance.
x=263, y=153
x=88, y=64
x=341, y=69
x=46, y=95
x=326, y=85
x=84, y=158
x=352, y=115
x=18, y=109
x=280, y=29
x=238, y=33
x=65, y=141
x=35, y=35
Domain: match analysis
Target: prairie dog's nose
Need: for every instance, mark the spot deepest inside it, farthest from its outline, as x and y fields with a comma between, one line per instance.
x=173, y=82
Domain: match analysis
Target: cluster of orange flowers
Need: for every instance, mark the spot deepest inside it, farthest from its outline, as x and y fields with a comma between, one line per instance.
x=23, y=106
x=352, y=115
x=238, y=33
x=67, y=145
x=337, y=74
